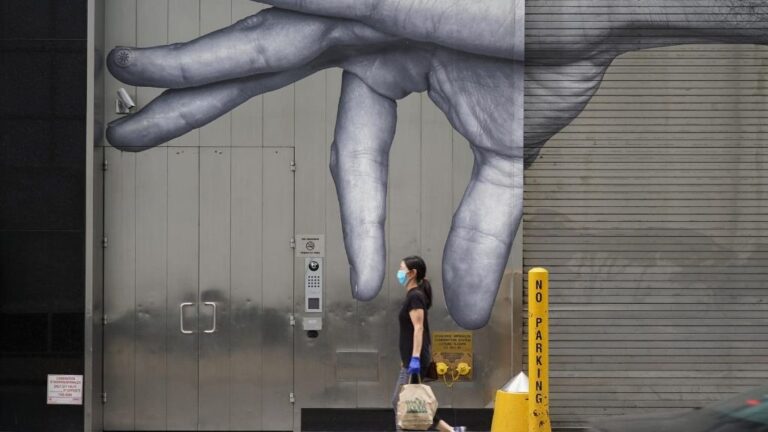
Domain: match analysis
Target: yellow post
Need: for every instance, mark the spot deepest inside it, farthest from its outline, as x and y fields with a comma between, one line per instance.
x=510, y=409
x=538, y=350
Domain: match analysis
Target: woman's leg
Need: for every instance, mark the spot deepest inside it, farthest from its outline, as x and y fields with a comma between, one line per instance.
x=437, y=422
x=402, y=378
x=443, y=426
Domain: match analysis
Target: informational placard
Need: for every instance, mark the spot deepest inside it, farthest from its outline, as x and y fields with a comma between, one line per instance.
x=65, y=389
x=453, y=348
x=310, y=245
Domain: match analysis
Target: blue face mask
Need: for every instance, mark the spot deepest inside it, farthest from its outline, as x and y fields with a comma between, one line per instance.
x=401, y=277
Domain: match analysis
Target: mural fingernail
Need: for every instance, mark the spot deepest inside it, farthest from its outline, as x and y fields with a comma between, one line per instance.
x=123, y=57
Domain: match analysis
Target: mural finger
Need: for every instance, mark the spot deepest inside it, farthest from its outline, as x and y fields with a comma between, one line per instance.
x=365, y=129
x=483, y=99
x=273, y=40
x=178, y=111
x=481, y=236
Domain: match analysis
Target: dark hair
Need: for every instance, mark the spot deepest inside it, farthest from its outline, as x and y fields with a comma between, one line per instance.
x=415, y=262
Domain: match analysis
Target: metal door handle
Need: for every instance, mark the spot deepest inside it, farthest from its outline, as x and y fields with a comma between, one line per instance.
x=181, y=318
x=212, y=329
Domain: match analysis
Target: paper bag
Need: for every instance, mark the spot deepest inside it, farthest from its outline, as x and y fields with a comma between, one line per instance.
x=416, y=407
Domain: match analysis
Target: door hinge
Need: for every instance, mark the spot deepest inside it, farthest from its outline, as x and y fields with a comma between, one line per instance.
x=292, y=320
x=292, y=397
x=293, y=166
x=105, y=165
x=293, y=243
x=104, y=397
x=104, y=320
x=104, y=242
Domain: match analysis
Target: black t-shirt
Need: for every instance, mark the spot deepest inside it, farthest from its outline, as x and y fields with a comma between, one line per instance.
x=415, y=299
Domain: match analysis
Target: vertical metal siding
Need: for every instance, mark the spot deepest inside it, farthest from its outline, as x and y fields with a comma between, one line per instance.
x=650, y=212
x=430, y=168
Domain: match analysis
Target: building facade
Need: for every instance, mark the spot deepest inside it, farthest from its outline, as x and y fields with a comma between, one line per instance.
x=178, y=286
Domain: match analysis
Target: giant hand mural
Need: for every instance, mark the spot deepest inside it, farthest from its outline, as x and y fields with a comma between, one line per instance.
x=463, y=53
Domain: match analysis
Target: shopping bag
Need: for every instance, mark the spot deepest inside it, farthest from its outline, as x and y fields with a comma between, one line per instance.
x=416, y=407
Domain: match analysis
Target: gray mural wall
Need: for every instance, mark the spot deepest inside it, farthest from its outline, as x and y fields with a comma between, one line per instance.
x=217, y=178
x=569, y=48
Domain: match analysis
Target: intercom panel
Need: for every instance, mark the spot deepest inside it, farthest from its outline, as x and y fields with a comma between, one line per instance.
x=313, y=285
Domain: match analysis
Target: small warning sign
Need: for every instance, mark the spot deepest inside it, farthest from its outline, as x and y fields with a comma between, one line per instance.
x=65, y=389
x=452, y=342
x=453, y=348
x=310, y=245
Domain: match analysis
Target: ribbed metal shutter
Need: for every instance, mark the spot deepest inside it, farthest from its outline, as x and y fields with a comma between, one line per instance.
x=651, y=212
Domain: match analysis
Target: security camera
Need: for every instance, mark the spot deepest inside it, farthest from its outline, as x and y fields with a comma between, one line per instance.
x=123, y=103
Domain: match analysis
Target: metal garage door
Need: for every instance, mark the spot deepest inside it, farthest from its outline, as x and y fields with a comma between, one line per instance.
x=651, y=212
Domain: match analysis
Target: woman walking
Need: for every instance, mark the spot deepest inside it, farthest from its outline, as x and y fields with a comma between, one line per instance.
x=415, y=338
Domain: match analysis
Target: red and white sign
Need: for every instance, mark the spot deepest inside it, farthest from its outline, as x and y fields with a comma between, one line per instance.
x=65, y=389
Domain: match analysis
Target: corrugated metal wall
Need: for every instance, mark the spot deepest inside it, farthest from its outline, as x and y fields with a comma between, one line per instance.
x=651, y=212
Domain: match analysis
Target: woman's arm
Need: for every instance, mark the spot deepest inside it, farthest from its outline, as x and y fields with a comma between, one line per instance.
x=417, y=318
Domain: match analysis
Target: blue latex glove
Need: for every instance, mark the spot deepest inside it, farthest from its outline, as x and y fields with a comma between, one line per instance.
x=414, y=368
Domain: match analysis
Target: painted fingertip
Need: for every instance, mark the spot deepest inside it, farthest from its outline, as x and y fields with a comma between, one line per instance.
x=366, y=284
x=122, y=56
x=472, y=270
x=121, y=63
x=471, y=311
x=472, y=322
x=120, y=136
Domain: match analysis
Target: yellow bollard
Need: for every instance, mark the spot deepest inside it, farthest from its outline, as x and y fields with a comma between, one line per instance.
x=510, y=411
x=538, y=350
